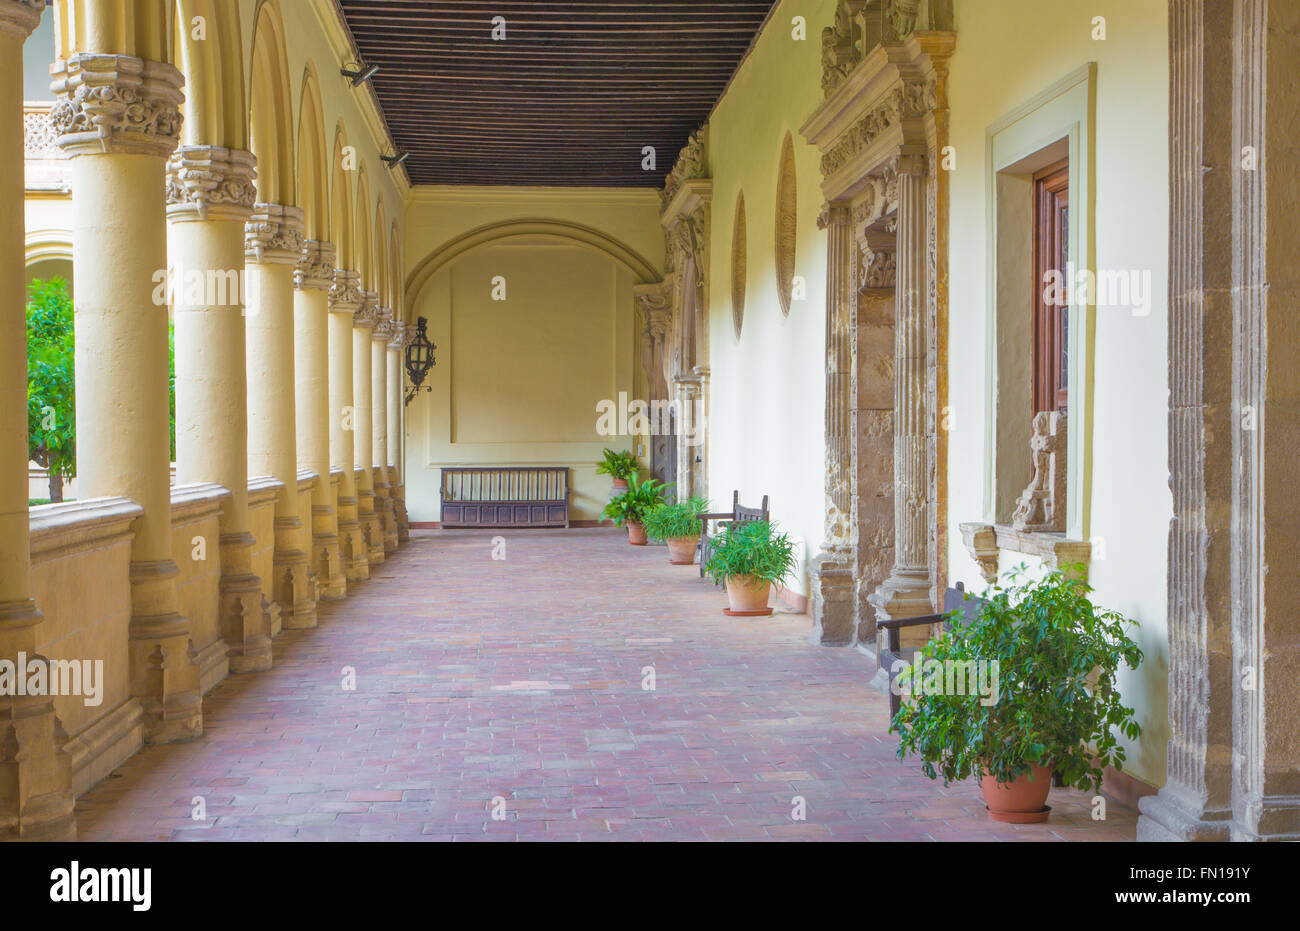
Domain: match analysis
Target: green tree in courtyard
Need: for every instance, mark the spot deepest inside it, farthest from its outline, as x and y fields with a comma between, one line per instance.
x=51, y=396
x=51, y=382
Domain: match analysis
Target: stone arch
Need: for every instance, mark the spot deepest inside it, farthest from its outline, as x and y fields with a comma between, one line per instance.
x=48, y=245
x=363, y=245
x=313, y=162
x=379, y=256
x=535, y=228
x=215, y=110
x=270, y=110
x=395, y=272
x=341, y=201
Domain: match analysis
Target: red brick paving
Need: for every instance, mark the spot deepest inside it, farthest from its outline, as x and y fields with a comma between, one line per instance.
x=520, y=681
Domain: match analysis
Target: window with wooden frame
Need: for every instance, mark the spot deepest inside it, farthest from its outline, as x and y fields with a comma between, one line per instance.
x=1051, y=317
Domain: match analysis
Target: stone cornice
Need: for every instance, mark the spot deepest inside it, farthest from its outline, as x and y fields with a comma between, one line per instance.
x=273, y=235
x=210, y=182
x=116, y=104
x=315, y=268
x=76, y=525
x=345, y=293
x=20, y=17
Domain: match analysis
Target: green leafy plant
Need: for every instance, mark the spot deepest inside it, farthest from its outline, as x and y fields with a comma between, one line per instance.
x=673, y=519
x=752, y=548
x=621, y=465
x=1057, y=703
x=51, y=382
x=633, y=505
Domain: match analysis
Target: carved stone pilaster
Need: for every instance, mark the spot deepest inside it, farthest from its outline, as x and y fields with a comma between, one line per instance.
x=273, y=235
x=833, y=595
x=116, y=104
x=209, y=182
x=315, y=266
x=655, y=304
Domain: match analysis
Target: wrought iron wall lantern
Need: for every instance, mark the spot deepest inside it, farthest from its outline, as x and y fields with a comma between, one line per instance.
x=419, y=359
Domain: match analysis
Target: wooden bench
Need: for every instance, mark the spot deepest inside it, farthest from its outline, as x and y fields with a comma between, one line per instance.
x=739, y=514
x=505, y=496
x=954, y=599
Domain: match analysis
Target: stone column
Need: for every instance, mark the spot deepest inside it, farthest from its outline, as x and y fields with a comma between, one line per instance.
x=273, y=243
x=345, y=302
x=1233, y=765
x=363, y=323
x=120, y=252
x=35, y=771
x=210, y=195
x=379, y=435
x=312, y=279
x=831, y=573
x=396, y=463
x=906, y=593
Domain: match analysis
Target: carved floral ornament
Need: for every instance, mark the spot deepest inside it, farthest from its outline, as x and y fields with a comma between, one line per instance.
x=345, y=294
x=398, y=336
x=691, y=163
x=210, y=182
x=862, y=25
x=904, y=102
x=116, y=103
x=367, y=315
x=383, y=325
x=315, y=268
x=273, y=235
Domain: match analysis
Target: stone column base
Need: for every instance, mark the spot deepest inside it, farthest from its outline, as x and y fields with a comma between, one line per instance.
x=242, y=617
x=832, y=599
x=1166, y=816
x=295, y=589
x=163, y=664
x=352, y=543
x=399, y=510
x=373, y=536
x=36, y=800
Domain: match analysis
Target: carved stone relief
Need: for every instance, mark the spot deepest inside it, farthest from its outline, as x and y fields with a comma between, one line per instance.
x=787, y=221
x=739, y=265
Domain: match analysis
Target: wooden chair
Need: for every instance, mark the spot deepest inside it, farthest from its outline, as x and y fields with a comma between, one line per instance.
x=739, y=514
x=954, y=599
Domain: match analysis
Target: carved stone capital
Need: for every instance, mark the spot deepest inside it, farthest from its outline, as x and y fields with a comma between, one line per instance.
x=398, y=335
x=383, y=325
x=836, y=214
x=692, y=162
x=210, y=182
x=367, y=315
x=273, y=235
x=116, y=104
x=345, y=294
x=20, y=17
x=315, y=268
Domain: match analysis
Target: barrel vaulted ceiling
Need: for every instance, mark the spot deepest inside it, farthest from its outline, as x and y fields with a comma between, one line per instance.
x=570, y=96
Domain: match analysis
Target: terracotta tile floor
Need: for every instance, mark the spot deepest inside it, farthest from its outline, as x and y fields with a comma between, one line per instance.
x=516, y=685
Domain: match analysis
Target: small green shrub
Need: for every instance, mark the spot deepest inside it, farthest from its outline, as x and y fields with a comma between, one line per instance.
x=1056, y=704
x=752, y=548
x=618, y=464
x=633, y=505
x=674, y=519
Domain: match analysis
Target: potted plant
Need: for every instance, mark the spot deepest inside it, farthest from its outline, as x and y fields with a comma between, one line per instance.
x=750, y=557
x=620, y=466
x=1050, y=659
x=630, y=508
x=677, y=524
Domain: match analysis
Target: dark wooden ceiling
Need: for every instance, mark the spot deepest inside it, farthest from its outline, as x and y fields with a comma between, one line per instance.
x=571, y=96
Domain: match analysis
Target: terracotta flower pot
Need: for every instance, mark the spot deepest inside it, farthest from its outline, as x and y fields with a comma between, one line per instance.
x=747, y=593
x=620, y=486
x=635, y=534
x=1020, y=802
x=681, y=550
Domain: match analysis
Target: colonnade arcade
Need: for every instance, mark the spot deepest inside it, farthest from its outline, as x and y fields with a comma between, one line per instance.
x=183, y=160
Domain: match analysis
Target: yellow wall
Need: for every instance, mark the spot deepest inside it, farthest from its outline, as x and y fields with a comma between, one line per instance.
x=517, y=380
x=766, y=427
x=1009, y=51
